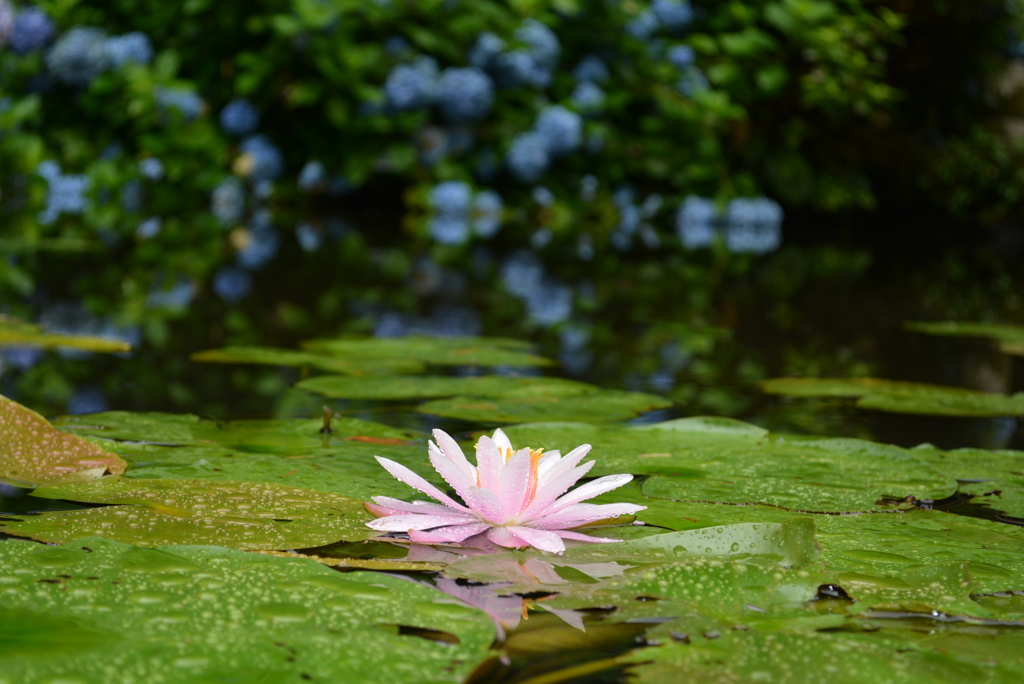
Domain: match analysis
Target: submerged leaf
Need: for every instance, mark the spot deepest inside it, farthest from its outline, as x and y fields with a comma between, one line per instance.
x=33, y=452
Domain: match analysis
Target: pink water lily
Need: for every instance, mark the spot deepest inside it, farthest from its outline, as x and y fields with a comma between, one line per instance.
x=514, y=498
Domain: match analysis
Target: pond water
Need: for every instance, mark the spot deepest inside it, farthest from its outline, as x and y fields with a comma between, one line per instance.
x=877, y=524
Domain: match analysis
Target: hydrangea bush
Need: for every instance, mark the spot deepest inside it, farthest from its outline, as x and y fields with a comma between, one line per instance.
x=195, y=147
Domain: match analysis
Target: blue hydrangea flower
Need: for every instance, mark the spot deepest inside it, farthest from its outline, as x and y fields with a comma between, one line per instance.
x=465, y=94
x=651, y=205
x=449, y=230
x=451, y=198
x=487, y=213
x=87, y=400
x=485, y=51
x=691, y=81
x=232, y=284
x=313, y=176
x=21, y=358
x=681, y=56
x=264, y=160
x=518, y=68
x=674, y=15
x=178, y=295
x=643, y=26
x=32, y=30
x=542, y=196
x=66, y=194
x=132, y=196
x=308, y=237
x=541, y=42
x=186, y=103
x=263, y=190
x=412, y=86
x=7, y=15
x=550, y=303
x=588, y=97
x=239, y=118
x=149, y=228
x=227, y=201
x=753, y=225
x=48, y=169
x=528, y=157
x=561, y=129
x=588, y=187
x=131, y=48
x=79, y=56
x=591, y=68
x=695, y=222
x=151, y=168
x=261, y=245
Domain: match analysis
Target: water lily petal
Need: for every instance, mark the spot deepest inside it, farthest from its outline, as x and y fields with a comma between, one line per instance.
x=450, y=448
x=427, y=507
x=588, y=491
x=501, y=440
x=489, y=462
x=485, y=504
x=514, y=484
x=452, y=473
x=581, y=514
x=451, y=533
x=539, y=539
x=502, y=537
x=549, y=492
x=576, y=536
x=546, y=461
x=411, y=521
x=410, y=478
x=564, y=465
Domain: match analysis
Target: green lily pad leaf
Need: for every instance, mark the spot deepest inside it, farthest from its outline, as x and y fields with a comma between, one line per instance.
x=599, y=406
x=349, y=470
x=902, y=397
x=247, y=617
x=995, y=478
x=790, y=544
x=439, y=351
x=795, y=658
x=434, y=386
x=1006, y=335
x=265, y=436
x=287, y=357
x=239, y=515
x=18, y=333
x=35, y=453
x=886, y=546
x=688, y=462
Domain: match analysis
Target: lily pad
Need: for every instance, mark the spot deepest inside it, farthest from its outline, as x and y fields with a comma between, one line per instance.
x=995, y=478
x=599, y=406
x=18, y=333
x=265, y=436
x=434, y=386
x=796, y=658
x=438, y=351
x=902, y=397
x=35, y=453
x=202, y=614
x=239, y=515
x=739, y=464
x=287, y=357
x=1009, y=337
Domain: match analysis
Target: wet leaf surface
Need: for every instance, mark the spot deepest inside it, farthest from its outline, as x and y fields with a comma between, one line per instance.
x=438, y=351
x=32, y=452
x=428, y=387
x=902, y=397
x=203, y=614
x=1009, y=337
x=599, y=406
x=232, y=514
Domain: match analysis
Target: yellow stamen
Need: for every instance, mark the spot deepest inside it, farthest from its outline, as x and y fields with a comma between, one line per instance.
x=535, y=455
